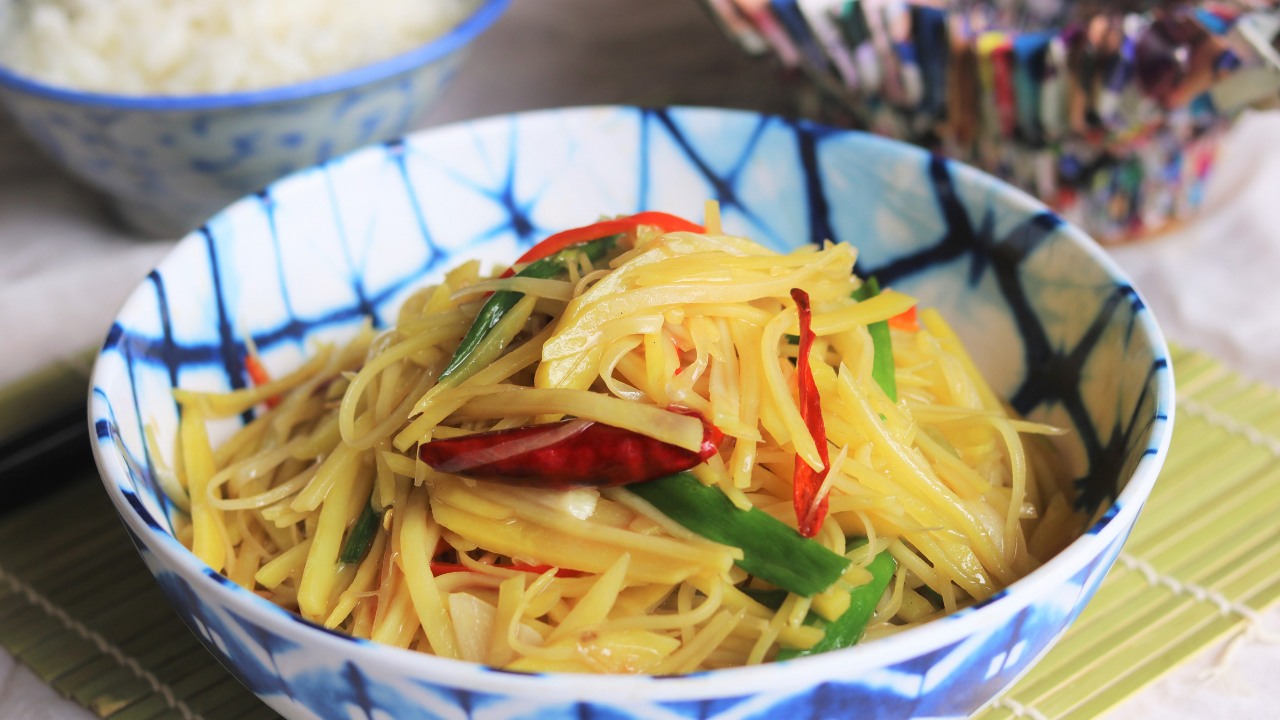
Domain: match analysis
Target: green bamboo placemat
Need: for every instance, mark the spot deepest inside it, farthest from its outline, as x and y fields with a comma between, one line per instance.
x=78, y=606
x=43, y=393
x=80, y=609
x=1201, y=563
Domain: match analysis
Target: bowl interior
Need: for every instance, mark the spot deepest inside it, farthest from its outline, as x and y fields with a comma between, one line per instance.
x=1051, y=323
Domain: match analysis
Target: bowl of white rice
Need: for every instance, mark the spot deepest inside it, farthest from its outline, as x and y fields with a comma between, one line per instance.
x=175, y=108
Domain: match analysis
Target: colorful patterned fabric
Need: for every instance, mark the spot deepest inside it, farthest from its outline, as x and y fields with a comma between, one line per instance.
x=1110, y=112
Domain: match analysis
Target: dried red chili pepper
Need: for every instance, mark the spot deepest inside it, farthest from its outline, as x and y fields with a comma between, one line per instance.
x=443, y=568
x=566, y=455
x=809, y=510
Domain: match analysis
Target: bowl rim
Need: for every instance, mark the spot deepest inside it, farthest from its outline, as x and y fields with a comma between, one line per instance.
x=479, y=20
x=764, y=679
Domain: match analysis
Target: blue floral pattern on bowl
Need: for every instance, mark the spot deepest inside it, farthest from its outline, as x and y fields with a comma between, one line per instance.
x=1048, y=317
x=169, y=163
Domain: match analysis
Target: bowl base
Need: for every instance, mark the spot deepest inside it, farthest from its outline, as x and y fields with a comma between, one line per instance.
x=147, y=222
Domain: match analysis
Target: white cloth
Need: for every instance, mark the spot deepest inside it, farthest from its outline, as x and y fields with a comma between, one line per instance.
x=23, y=696
x=1215, y=286
x=65, y=268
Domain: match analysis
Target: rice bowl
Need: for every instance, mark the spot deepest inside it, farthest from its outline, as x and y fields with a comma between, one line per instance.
x=159, y=48
x=169, y=162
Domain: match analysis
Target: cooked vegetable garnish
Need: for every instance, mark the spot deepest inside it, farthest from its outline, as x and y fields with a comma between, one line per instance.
x=907, y=321
x=882, y=366
x=361, y=535
x=259, y=375
x=811, y=508
x=501, y=302
x=565, y=455
x=848, y=628
x=771, y=551
x=771, y=599
x=567, y=238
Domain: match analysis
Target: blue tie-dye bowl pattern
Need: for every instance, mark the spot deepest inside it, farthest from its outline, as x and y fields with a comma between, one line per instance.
x=1049, y=318
x=168, y=163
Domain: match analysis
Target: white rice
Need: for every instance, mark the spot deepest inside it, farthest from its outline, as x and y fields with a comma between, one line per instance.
x=187, y=47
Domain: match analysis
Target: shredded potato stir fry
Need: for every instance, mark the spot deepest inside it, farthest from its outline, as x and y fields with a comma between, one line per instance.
x=324, y=505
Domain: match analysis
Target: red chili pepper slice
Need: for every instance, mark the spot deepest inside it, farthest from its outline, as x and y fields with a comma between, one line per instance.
x=907, y=321
x=539, y=569
x=565, y=455
x=561, y=240
x=807, y=480
x=443, y=568
x=259, y=376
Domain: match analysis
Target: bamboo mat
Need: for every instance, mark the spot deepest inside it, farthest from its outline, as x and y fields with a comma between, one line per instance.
x=1201, y=563
x=80, y=609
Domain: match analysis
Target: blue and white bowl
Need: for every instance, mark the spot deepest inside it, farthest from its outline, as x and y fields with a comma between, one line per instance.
x=1051, y=320
x=168, y=163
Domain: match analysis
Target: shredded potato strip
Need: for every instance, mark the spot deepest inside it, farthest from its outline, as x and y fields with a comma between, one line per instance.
x=554, y=289
x=402, y=350
x=783, y=402
x=362, y=583
x=219, y=405
x=679, y=430
x=511, y=363
x=260, y=500
x=946, y=413
x=881, y=307
x=320, y=574
x=629, y=302
x=710, y=554
x=166, y=476
x=207, y=522
x=419, y=533
x=695, y=616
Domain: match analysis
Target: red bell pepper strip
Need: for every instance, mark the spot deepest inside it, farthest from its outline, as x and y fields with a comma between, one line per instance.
x=907, y=321
x=810, y=511
x=443, y=568
x=259, y=376
x=565, y=455
x=561, y=240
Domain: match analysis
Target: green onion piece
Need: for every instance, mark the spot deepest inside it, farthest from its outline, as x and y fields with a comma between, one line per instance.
x=490, y=348
x=882, y=364
x=771, y=550
x=771, y=599
x=501, y=302
x=847, y=629
x=361, y=535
